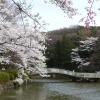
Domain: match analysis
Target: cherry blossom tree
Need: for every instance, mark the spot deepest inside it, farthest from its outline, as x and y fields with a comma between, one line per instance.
x=27, y=42
x=81, y=55
x=68, y=7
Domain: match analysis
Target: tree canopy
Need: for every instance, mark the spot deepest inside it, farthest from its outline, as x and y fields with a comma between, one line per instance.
x=26, y=42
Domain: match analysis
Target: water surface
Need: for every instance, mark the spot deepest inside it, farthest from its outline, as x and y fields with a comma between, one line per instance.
x=54, y=91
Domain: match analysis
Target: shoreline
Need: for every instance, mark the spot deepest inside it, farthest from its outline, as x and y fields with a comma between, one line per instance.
x=10, y=84
x=6, y=86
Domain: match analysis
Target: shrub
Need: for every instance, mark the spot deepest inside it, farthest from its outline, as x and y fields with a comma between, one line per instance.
x=12, y=74
x=7, y=75
x=4, y=77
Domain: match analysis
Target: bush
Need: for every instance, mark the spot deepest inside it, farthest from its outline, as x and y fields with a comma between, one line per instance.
x=12, y=74
x=7, y=75
x=4, y=77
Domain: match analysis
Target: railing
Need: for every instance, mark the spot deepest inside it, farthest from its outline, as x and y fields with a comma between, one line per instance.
x=71, y=73
x=74, y=74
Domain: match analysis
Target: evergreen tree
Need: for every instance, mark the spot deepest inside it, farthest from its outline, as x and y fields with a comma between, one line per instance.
x=66, y=47
x=58, y=54
x=50, y=55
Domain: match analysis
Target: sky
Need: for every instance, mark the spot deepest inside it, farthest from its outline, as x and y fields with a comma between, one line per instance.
x=57, y=19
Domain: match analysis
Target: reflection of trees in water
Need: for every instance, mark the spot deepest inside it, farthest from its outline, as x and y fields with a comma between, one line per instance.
x=57, y=96
x=32, y=92
x=54, y=91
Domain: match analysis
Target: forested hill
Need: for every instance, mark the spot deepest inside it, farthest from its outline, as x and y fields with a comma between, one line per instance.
x=73, y=32
x=61, y=42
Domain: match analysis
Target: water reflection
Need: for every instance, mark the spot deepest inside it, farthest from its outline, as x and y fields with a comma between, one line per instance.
x=54, y=91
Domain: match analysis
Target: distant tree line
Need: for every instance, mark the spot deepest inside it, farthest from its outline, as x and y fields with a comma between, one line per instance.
x=59, y=48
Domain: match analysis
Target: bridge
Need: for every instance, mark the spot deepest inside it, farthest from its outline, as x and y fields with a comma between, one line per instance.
x=72, y=74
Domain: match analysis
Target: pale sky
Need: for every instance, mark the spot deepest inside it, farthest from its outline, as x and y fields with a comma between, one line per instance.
x=57, y=19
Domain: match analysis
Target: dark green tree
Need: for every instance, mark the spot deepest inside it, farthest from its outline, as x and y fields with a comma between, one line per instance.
x=49, y=53
x=66, y=47
x=58, y=54
x=93, y=31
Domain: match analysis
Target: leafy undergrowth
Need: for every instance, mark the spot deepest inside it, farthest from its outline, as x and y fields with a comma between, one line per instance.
x=7, y=75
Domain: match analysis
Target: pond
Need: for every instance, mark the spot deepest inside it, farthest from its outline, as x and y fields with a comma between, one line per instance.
x=54, y=91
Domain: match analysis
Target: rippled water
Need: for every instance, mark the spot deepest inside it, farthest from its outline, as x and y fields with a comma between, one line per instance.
x=54, y=91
